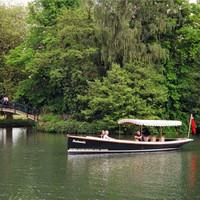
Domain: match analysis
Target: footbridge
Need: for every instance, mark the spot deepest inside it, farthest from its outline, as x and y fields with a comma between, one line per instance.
x=19, y=109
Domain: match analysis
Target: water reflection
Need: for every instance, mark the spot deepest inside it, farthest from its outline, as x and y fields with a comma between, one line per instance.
x=192, y=172
x=38, y=168
x=142, y=176
x=12, y=135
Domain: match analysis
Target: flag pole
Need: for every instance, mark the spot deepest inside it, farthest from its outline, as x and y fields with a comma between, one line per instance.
x=189, y=128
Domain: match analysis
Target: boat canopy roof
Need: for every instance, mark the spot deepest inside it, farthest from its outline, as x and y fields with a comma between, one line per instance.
x=156, y=123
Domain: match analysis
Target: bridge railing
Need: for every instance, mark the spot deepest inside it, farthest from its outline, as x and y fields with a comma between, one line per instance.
x=21, y=107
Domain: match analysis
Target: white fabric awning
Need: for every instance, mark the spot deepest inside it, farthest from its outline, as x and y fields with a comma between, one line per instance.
x=158, y=123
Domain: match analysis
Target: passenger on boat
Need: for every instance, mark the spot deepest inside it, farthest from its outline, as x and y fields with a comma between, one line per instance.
x=105, y=136
x=138, y=136
x=102, y=133
x=146, y=134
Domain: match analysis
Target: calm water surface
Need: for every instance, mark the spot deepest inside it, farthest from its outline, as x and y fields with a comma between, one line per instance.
x=35, y=166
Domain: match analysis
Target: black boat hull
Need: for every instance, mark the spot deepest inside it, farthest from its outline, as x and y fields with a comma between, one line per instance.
x=95, y=145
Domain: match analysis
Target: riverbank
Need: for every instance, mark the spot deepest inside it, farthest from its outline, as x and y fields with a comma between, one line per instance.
x=16, y=123
x=56, y=124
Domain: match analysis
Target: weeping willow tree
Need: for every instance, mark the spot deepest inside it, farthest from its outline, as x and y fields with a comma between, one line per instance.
x=115, y=36
x=132, y=30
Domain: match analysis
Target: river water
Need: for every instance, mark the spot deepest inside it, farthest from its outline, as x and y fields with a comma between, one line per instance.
x=35, y=166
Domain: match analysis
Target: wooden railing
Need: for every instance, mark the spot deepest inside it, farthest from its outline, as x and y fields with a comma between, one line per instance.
x=20, y=109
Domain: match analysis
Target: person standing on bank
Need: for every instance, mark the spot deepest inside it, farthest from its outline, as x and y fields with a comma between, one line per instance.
x=5, y=100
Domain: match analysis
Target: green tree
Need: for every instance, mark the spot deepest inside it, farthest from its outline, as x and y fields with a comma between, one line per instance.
x=188, y=58
x=131, y=92
x=182, y=67
x=12, y=32
x=62, y=60
x=45, y=12
x=79, y=53
x=108, y=58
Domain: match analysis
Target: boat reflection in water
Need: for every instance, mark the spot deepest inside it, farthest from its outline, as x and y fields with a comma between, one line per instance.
x=144, y=176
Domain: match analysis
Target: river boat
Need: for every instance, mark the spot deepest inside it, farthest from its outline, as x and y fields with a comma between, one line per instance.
x=98, y=145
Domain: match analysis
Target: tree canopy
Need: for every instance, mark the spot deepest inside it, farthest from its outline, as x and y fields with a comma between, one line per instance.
x=13, y=30
x=104, y=60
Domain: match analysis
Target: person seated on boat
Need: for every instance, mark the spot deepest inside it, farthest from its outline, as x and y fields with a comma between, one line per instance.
x=138, y=136
x=146, y=134
x=102, y=133
x=162, y=138
x=105, y=136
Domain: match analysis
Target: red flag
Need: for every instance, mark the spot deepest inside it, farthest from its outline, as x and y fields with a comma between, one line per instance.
x=193, y=125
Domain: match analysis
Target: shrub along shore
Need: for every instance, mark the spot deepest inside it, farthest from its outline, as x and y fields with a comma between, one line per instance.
x=16, y=123
x=55, y=124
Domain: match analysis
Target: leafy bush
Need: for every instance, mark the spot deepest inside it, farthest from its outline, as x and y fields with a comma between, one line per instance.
x=54, y=124
x=52, y=118
x=16, y=123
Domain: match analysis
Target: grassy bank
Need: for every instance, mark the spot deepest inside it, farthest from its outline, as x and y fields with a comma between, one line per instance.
x=55, y=124
x=16, y=123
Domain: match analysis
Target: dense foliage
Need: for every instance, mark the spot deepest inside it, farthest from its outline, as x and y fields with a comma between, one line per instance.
x=98, y=61
x=12, y=32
